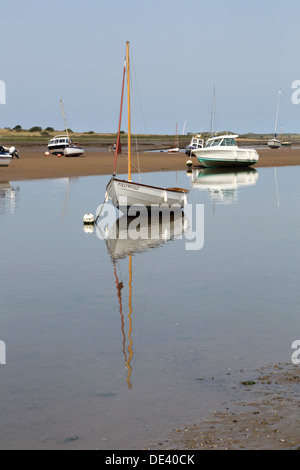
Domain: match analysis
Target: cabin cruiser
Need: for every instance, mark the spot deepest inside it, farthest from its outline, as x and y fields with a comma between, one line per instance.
x=222, y=151
x=61, y=144
x=196, y=143
x=7, y=154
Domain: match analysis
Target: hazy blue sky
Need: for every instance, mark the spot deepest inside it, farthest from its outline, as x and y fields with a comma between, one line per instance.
x=73, y=50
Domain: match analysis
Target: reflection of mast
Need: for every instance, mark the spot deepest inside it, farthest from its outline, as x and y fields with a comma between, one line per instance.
x=276, y=184
x=120, y=286
x=130, y=323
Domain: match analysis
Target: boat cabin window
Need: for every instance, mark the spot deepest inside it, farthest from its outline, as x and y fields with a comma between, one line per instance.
x=228, y=142
x=215, y=143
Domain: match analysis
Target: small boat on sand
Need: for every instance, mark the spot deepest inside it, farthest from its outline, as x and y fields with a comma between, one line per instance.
x=275, y=143
x=196, y=143
x=7, y=154
x=62, y=144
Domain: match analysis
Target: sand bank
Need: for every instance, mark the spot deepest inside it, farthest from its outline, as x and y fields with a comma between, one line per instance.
x=33, y=164
x=261, y=414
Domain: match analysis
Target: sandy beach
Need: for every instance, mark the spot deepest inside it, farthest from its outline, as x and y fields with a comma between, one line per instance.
x=34, y=164
x=262, y=414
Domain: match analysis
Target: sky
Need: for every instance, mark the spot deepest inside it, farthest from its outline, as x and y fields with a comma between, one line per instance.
x=74, y=50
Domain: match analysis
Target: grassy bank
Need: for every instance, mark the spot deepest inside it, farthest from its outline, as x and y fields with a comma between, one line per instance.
x=44, y=135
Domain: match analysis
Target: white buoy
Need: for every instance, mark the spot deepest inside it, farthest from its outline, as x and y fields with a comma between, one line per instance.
x=88, y=219
x=189, y=163
x=47, y=154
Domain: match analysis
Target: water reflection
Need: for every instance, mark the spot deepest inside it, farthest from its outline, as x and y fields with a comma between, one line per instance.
x=9, y=197
x=130, y=236
x=222, y=184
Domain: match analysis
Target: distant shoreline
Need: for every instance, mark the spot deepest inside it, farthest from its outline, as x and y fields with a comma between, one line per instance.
x=33, y=164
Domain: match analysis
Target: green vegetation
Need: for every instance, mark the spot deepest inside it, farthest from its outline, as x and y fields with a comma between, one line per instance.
x=41, y=136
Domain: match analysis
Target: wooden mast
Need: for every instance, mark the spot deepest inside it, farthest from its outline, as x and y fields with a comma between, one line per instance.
x=129, y=117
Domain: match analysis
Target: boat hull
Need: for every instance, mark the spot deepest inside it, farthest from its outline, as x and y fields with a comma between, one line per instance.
x=73, y=151
x=124, y=194
x=56, y=149
x=5, y=160
x=274, y=144
x=211, y=158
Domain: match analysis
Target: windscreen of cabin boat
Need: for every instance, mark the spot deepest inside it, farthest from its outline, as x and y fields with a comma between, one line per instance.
x=228, y=142
x=213, y=143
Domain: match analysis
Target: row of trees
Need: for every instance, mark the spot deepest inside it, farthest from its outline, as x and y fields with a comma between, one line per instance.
x=18, y=128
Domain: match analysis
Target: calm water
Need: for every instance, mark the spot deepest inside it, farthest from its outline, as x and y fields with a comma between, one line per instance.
x=91, y=366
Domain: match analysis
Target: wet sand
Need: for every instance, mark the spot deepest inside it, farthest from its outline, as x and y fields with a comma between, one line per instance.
x=263, y=414
x=33, y=164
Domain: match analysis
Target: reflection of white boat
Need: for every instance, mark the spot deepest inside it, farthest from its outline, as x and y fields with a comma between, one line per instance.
x=129, y=235
x=121, y=244
x=125, y=193
x=9, y=195
x=222, y=184
x=7, y=154
x=222, y=151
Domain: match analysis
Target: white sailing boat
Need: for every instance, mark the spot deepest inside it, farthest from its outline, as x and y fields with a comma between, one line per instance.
x=275, y=143
x=63, y=143
x=175, y=149
x=126, y=193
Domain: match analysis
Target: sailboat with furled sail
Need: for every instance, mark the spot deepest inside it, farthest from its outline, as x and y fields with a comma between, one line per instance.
x=275, y=143
x=125, y=193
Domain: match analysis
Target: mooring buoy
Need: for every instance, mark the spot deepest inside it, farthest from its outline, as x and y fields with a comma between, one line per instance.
x=88, y=219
